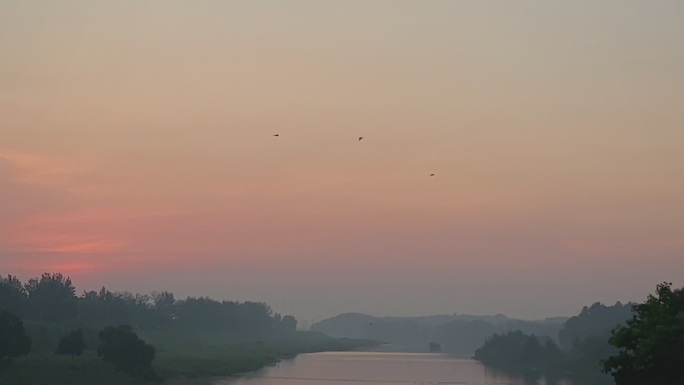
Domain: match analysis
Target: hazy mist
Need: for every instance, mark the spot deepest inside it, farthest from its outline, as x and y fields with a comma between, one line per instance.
x=137, y=150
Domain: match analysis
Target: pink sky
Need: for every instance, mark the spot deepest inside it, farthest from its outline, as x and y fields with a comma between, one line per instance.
x=137, y=151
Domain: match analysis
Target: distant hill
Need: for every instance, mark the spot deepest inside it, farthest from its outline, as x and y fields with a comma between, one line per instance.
x=459, y=334
x=349, y=325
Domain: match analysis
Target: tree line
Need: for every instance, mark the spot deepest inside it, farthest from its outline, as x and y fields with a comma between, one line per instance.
x=458, y=334
x=51, y=298
x=50, y=306
x=633, y=344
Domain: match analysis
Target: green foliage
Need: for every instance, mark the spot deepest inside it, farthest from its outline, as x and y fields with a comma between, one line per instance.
x=12, y=295
x=215, y=353
x=203, y=313
x=596, y=320
x=288, y=323
x=459, y=335
x=515, y=351
x=126, y=351
x=195, y=337
x=584, y=360
x=13, y=340
x=462, y=337
x=52, y=298
x=651, y=345
x=106, y=308
x=45, y=336
x=72, y=344
x=165, y=303
x=529, y=357
x=180, y=355
x=553, y=355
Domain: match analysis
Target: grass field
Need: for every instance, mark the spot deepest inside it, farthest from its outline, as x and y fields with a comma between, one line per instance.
x=40, y=369
x=182, y=358
x=216, y=354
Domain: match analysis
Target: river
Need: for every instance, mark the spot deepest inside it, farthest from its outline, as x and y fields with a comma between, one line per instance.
x=369, y=368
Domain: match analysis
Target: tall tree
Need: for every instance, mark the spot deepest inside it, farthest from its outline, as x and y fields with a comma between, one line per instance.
x=52, y=297
x=288, y=323
x=126, y=351
x=165, y=303
x=596, y=320
x=651, y=345
x=12, y=295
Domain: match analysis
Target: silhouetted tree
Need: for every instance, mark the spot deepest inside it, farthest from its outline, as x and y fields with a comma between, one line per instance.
x=288, y=323
x=126, y=351
x=204, y=313
x=52, y=297
x=553, y=355
x=254, y=316
x=584, y=360
x=12, y=295
x=651, y=345
x=13, y=340
x=515, y=351
x=106, y=307
x=531, y=351
x=165, y=304
x=71, y=344
x=596, y=320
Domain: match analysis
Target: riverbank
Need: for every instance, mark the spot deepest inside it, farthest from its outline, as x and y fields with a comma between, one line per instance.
x=206, y=355
x=182, y=358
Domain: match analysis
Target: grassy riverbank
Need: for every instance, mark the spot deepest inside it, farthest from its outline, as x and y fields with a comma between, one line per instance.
x=205, y=354
x=182, y=358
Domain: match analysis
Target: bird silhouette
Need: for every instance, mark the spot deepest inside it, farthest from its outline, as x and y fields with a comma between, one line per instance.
x=432, y=174
x=360, y=138
x=276, y=134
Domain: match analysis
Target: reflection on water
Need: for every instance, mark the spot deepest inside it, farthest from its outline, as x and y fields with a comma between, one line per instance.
x=358, y=368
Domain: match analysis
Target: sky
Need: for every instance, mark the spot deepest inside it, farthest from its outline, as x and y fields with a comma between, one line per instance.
x=137, y=151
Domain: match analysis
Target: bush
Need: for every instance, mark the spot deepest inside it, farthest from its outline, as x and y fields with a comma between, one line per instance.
x=126, y=351
x=71, y=344
x=13, y=340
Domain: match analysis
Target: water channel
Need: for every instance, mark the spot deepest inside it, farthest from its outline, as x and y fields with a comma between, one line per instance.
x=370, y=368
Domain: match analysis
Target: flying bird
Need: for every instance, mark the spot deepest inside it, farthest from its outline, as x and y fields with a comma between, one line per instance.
x=360, y=138
x=432, y=174
x=276, y=134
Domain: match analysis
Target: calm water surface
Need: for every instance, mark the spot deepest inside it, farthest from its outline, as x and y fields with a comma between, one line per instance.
x=359, y=368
